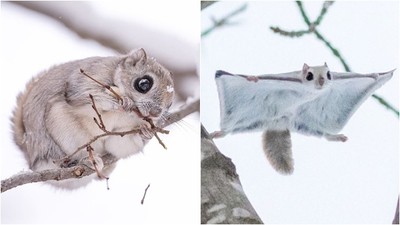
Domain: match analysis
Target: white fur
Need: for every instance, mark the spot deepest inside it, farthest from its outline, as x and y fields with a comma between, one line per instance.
x=318, y=105
x=54, y=115
x=278, y=105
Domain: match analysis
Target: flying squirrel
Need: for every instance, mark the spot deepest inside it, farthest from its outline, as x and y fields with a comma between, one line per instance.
x=54, y=115
x=313, y=101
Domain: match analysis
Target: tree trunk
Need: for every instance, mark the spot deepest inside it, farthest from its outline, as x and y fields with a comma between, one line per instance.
x=396, y=215
x=222, y=197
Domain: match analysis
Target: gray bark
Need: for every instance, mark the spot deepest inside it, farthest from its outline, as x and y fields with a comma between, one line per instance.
x=205, y=4
x=396, y=215
x=222, y=197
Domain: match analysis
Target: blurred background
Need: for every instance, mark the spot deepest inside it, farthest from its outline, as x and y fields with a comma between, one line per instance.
x=37, y=35
x=352, y=182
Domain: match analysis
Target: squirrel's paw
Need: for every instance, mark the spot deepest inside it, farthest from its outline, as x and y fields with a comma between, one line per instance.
x=252, y=78
x=66, y=163
x=217, y=134
x=146, y=132
x=92, y=163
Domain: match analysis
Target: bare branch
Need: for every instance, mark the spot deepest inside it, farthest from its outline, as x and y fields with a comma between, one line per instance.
x=223, y=21
x=53, y=174
x=82, y=170
x=177, y=55
x=117, y=96
x=119, y=35
x=205, y=4
x=187, y=109
x=144, y=195
x=298, y=33
x=160, y=141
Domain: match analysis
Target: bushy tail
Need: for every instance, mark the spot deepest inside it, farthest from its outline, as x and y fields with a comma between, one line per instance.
x=18, y=126
x=277, y=147
x=17, y=122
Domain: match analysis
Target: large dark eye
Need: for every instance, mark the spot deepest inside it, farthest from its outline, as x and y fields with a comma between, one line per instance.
x=329, y=75
x=309, y=76
x=143, y=84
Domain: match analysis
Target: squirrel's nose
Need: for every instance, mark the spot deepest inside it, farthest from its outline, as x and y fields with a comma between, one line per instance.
x=321, y=80
x=155, y=112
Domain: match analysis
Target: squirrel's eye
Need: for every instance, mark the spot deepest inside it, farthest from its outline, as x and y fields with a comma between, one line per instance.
x=143, y=84
x=329, y=75
x=309, y=76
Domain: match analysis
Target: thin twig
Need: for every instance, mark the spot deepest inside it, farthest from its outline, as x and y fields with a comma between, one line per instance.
x=107, y=133
x=160, y=141
x=156, y=129
x=290, y=33
x=114, y=133
x=324, y=9
x=386, y=104
x=187, y=109
x=101, y=125
x=144, y=195
x=223, y=21
x=303, y=13
x=108, y=87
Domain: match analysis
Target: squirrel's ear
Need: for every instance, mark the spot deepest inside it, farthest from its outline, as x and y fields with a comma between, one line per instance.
x=326, y=65
x=305, y=68
x=136, y=57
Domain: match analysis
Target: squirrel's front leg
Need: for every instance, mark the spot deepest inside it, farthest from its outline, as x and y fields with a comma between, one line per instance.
x=336, y=137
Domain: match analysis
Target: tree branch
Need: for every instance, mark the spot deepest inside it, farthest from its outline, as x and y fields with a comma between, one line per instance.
x=223, y=21
x=188, y=108
x=119, y=35
x=205, y=4
x=52, y=174
x=174, y=53
x=222, y=197
x=82, y=170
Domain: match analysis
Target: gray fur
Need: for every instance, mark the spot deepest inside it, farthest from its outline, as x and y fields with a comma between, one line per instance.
x=53, y=116
x=277, y=146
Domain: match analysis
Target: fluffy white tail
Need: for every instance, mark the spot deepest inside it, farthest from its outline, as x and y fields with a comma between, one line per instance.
x=277, y=147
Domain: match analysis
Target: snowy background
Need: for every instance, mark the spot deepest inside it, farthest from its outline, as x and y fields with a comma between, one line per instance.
x=352, y=182
x=30, y=43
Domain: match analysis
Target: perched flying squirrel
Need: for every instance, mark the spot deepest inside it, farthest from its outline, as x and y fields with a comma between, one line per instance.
x=54, y=115
x=312, y=101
